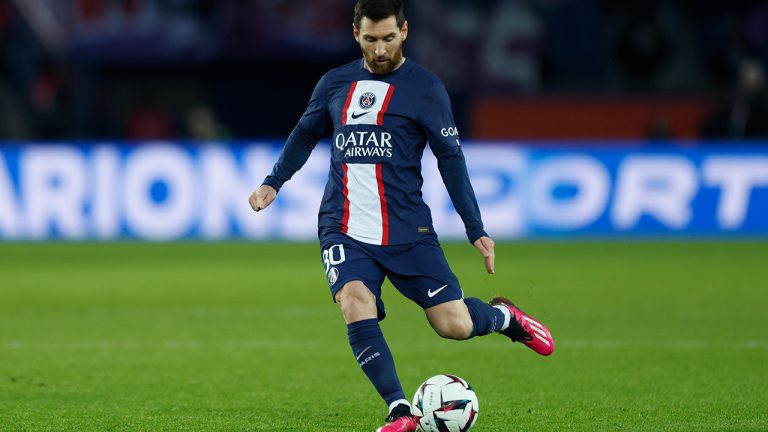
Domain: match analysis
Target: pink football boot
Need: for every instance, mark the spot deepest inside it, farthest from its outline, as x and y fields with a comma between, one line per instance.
x=525, y=329
x=402, y=424
x=400, y=420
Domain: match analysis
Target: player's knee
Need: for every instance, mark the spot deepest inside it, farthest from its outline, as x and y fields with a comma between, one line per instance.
x=355, y=293
x=355, y=298
x=455, y=328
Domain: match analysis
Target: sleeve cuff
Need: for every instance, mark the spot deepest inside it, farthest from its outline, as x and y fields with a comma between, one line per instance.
x=475, y=234
x=269, y=181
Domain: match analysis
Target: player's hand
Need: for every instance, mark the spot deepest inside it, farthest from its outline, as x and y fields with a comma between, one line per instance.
x=262, y=197
x=485, y=246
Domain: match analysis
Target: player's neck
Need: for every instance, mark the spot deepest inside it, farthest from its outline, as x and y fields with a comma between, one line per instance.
x=368, y=68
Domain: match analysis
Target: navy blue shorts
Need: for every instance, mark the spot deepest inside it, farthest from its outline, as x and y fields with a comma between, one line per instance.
x=418, y=270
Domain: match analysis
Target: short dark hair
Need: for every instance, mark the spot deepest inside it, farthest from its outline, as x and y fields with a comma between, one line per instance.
x=377, y=10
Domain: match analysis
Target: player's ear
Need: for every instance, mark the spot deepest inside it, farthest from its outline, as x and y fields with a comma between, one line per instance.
x=404, y=30
x=356, y=33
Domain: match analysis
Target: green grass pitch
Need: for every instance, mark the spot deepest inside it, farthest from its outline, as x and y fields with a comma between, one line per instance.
x=244, y=337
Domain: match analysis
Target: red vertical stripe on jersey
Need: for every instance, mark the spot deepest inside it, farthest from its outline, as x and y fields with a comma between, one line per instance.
x=383, y=198
x=345, y=192
x=348, y=103
x=380, y=120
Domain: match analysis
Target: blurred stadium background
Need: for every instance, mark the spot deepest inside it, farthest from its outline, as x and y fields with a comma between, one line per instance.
x=581, y=117
x=582, y=121
x=146, y=69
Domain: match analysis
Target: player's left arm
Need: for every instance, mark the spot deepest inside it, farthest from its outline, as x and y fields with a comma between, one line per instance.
x=444, y=142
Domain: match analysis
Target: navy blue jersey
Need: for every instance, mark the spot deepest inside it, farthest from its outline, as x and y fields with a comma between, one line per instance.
x=379, y=126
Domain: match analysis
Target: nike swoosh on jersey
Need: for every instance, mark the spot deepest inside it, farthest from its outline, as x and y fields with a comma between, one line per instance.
x=362, y=352
x=431, y=293
x=357, y=116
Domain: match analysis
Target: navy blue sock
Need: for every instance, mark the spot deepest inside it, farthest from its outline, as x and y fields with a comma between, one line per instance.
x=486, y=318
x=373, y=356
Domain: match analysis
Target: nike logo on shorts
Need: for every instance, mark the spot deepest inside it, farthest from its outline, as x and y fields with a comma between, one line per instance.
x=356, y=116
x=431, y=293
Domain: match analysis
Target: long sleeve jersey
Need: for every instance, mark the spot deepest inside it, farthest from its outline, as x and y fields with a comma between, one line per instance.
x=379, y=126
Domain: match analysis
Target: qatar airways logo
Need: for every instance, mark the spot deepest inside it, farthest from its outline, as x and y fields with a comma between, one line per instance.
x=365, y=143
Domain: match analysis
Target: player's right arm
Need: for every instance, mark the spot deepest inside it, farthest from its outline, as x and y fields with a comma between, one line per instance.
x=314, y=125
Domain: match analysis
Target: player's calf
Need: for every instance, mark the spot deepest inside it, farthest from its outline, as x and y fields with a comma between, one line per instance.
x=457, y=329
x=465, y=319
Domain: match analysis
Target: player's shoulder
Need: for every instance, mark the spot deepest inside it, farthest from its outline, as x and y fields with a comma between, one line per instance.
x=344, y=71
x=427, y=81
x=335, y=79
x=426, y=84
x=339, y=76
x=420, y=72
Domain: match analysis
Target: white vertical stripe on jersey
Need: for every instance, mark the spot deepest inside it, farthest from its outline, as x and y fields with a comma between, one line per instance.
x=365, y=221
x=379, y=89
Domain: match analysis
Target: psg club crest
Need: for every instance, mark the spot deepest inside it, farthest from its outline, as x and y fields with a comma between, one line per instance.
x=367, y=100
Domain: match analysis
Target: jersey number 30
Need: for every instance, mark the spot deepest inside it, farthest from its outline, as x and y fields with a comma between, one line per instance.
x=332, y=256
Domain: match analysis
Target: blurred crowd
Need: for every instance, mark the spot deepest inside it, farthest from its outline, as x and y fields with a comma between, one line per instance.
x=215, y=70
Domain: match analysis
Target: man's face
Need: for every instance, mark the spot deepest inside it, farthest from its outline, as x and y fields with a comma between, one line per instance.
x=381, y=43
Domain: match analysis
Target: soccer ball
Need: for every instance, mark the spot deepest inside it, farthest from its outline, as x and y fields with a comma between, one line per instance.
x=445, y=403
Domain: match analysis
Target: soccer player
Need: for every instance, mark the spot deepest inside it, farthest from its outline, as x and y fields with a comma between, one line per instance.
x=381, y=111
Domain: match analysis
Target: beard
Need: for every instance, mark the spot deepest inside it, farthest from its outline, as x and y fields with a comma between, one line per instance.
x=383, y=65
